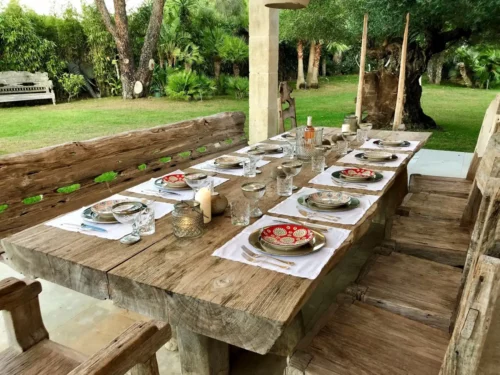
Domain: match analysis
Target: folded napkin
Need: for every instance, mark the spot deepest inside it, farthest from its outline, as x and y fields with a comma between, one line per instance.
x=270, y=155
x=210, y=166
x=351, y=159
x=72, y=220
x=307, y=266
x=291, y=206
x=325, y=178
x=371, y=145
x=149, y=188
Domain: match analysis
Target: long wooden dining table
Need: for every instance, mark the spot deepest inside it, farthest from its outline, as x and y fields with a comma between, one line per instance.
x=213, y=302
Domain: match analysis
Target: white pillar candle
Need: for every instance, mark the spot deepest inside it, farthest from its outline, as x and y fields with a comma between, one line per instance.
x=204, y=196
x=346, y=128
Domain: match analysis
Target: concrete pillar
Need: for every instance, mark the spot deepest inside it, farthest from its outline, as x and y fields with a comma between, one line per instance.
x=263, y=60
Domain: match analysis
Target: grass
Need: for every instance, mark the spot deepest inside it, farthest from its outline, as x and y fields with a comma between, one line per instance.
x=459, y=111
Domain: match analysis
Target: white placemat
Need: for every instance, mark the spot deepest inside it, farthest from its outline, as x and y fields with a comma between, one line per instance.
x=270, y=155
x=114, y=231
x=325, y=178
x=290, y=207
x=279, y=137
x=308, y=266
x=209, y=166
x=371, y=145
x=351, y=159
x=149, y=188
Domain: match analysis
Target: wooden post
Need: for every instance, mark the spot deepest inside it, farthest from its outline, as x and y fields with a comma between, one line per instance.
x=362, y=63
x=398, y=115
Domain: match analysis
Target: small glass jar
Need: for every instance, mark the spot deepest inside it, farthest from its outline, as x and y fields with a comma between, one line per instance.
x=187, y=219
x=284, y=183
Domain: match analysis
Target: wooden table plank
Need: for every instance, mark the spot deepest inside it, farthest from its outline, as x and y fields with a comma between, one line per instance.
x=178, y=279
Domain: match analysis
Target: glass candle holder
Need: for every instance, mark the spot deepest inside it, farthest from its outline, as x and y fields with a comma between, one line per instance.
x=187, y=219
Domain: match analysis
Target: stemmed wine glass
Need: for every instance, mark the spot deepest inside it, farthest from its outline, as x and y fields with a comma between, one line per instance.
x=349, y=137
x=254, y=191
x=128, y=213
x=292, y=169
x=196, y=181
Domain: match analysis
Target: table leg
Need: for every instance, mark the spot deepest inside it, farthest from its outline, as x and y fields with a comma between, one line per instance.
x=172, y=345
x=201, y=355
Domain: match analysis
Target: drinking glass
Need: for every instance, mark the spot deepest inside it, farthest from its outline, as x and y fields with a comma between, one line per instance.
x=254, y=191
x=318, y=162
x=287, y=151
x=196, y=181
x=284, y=186
x=146, y=220
x=342, y=147
x=128, y=213
x=362, y=136
x=349, y=137
x=292, y=168
x=249, y=167
x=240, y=212
x=187, y=219
x=293, y=148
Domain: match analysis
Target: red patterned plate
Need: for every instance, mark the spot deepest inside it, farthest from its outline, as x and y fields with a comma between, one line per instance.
x=286, y=236
x=175, y=180
x=357, y=174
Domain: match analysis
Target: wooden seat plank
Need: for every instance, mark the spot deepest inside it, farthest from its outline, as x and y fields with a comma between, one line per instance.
x=363, y=339
x=438, y=240
x=447, y=186
x=433, y=206
x=416, y=288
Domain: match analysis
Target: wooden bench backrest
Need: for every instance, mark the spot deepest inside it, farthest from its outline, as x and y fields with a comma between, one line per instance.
x=491, y=125
x=475, y=343
x=288, y=113
x=24, y=82
x=41, y=184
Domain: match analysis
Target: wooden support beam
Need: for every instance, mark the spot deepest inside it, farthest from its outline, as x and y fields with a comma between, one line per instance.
x=398, y=116
x=362, y=63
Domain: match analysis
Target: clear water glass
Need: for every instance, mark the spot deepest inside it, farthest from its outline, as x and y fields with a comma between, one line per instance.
x=318, y=161
x=293, y=149
x=284, y=185
x=250, y=167
x=240, y=212
x=287, y=151
x=362, y=136
x=187, y=219
x=146, y=220
x=342, y=147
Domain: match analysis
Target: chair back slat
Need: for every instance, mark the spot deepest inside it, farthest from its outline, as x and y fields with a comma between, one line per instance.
x=287, y=113
x=41, y=184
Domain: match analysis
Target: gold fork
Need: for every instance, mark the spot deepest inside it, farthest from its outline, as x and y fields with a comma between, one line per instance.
x=253, y=260
x=254, y=255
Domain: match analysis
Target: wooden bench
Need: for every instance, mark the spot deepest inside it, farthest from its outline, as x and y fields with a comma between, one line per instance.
x=375, y=337
x=22, y=86
x=31, y=351
x=41, y=184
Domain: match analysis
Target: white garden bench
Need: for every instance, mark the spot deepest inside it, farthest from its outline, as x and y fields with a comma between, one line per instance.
x=20, y=86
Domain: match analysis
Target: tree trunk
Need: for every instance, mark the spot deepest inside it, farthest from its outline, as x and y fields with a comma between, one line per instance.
x=431, y=71
x=337, y=57
x=323, y=67
x=188, y=67
x=463, y=73
x=301, y=82
x=310, y=65
x=438, y=68
x=236, y=70
x=119, y=30
x=217, y=67
x=162, y=61
x=314, y=84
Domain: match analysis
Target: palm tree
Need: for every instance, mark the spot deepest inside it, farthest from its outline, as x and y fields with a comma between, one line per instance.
x=235, y=51
x=172, y=41
x=190, y=55
x=213, y=39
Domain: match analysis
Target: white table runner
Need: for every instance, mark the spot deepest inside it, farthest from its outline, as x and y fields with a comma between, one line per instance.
x=114, y=231
x=290, y=207
x=149, y=188
x=209, y=166
x=270, y=155
x=325, y=178
x=371, y=145
x=351, y=159
x=308, y=266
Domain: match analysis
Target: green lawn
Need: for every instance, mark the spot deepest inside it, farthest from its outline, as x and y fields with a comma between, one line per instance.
x=459, y=111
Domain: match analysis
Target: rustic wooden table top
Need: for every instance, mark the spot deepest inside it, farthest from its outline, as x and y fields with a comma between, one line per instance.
x=178, y=280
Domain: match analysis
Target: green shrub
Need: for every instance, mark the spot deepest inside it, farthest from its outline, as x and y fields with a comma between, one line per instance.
x=221, y=85
x=188, y=86
x=239, y=86
x=72, y=84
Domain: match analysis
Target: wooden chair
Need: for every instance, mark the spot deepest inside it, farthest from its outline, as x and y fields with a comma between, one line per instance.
x=288, y=113
x=444, y=239
x=360, y=338
x=32, y=353
x=459, y=187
